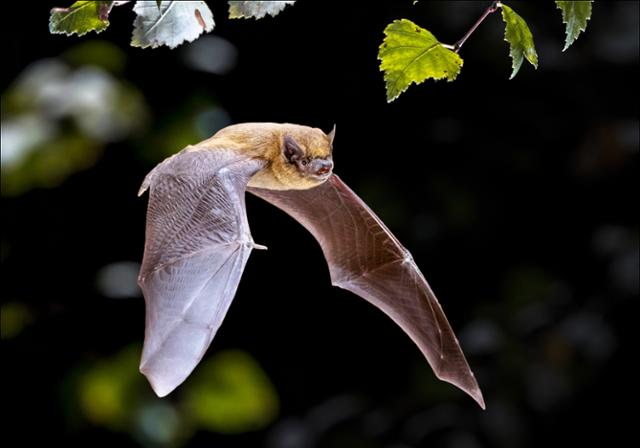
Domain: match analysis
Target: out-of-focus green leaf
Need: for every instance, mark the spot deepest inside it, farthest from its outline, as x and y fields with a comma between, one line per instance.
x=14, y=317
x=255, y=10
x=56, y=120
x=198, y=118
x=170, y=24
x=109, y=391
x=47, y=164
x=80, y=18
x=410, y=54
x=99, y=53
x=575, y=15
x=520, y=39
x=230, y=393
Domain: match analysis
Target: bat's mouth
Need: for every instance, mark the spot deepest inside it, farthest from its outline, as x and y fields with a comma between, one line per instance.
x=320, y=168
x=321, y=177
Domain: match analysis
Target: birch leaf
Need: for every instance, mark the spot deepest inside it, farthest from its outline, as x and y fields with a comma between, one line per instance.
x=410, y=54
x=80, y=18
x=171, y=24
x=575, y=16
x=255, y=10
x=520, y=39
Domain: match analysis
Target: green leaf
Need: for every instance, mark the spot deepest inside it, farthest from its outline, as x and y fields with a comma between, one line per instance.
x=520, y=39
x=255, y=10
x=410, y=54
x=80, y=18
x=170, y=24
x=575, y=16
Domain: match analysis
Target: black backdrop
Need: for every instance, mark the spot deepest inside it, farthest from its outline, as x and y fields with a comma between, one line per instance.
x=501, y=189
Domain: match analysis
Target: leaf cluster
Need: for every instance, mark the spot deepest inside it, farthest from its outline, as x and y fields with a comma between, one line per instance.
x=411, y=54
x=157, y=23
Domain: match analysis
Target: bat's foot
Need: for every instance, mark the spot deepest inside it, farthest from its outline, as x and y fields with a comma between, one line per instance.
x=259, y=246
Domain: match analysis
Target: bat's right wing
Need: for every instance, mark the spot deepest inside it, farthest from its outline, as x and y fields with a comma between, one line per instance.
x=365, y=258
x=197, y=244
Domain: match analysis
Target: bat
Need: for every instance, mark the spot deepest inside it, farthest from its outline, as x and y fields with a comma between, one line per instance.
x=198, y=241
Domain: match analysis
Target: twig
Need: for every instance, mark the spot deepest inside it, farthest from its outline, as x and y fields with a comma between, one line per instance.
x=491, y=9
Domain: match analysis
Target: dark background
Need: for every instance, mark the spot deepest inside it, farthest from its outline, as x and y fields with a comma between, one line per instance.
x=515, y=198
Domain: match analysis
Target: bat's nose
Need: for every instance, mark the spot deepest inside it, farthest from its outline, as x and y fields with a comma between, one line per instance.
x=323, y=167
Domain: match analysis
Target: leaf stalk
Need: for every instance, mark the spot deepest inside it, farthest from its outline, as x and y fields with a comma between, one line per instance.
x=495, y=5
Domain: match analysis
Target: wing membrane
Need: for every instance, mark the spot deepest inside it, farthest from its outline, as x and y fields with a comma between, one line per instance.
x=197, y=244
x=365, y=258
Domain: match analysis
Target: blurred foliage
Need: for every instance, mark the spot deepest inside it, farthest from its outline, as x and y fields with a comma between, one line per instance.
x=230, y=393
x=198, y=118
x=14, y=317
x=110, y=390
x=56, y=118
x=96, y=53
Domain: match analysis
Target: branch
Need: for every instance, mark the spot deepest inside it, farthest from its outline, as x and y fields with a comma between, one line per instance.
x=495, y=5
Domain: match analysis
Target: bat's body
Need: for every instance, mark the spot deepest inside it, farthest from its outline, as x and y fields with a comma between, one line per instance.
x=198, y=242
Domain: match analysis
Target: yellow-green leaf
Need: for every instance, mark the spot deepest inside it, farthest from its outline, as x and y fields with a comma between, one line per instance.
x=575, y=16
x=520, y=39
x=410, y=54
x=230, y=393
x=80, y=18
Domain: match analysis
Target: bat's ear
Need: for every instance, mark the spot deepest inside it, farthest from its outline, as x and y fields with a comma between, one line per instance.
x=291, y=149
x=332, y=134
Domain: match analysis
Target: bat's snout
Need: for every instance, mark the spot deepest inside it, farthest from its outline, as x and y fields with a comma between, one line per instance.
x=322, y=167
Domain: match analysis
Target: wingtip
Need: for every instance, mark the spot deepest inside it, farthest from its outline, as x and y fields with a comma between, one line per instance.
x=474, y=392
x=468, y=385
x=160, y=385
x=477, y=396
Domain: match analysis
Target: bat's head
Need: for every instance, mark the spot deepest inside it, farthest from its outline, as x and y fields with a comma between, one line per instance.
x=305, y=156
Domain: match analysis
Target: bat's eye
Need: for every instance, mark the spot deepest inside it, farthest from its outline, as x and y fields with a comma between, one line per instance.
x=304, y=162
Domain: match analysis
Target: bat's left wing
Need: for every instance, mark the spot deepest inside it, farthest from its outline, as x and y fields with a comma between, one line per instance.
x=365, y=258
x=197, y=244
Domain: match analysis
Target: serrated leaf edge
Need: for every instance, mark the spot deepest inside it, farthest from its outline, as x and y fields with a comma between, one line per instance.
x=516, y=65
x=155, y=44
x=242, y=16
x=567, y=44
x=72, y=32
x=382, y=46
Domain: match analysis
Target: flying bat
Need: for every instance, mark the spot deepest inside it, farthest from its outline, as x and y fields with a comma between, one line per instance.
x=198, y=242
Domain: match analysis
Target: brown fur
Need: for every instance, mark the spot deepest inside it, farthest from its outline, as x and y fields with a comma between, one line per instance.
x=264, y=141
